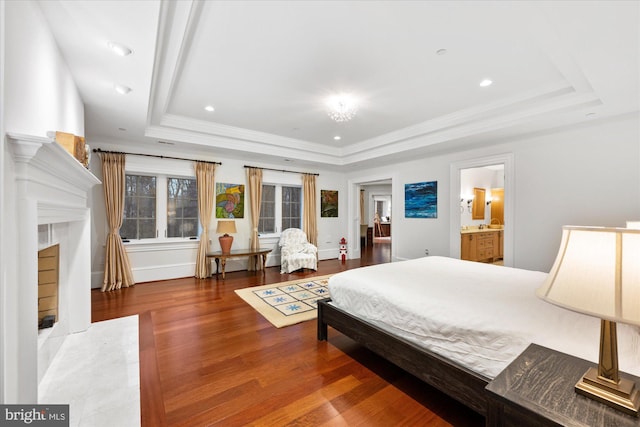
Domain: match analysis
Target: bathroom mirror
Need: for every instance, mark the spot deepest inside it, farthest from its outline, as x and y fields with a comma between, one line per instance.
x=478, y=208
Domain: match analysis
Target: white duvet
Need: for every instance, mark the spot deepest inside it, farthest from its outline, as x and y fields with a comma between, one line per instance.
x=478, y=315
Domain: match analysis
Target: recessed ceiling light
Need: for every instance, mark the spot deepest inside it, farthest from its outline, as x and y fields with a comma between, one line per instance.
x=122, y=129
x=441, y=52
x=337, y=137
x=486, y=82
x=119, y=48
x=210, y=108
x=589, y=115
x=122, y=89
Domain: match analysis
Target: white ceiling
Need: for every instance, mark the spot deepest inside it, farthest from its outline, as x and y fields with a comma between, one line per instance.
x=268, y=66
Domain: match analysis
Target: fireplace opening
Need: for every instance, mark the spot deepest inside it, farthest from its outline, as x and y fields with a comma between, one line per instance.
x=48, y=278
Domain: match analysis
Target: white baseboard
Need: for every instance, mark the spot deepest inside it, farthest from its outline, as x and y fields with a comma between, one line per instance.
x=175, y=271
x=151, y=273
x=96, y=279
x=328, y=254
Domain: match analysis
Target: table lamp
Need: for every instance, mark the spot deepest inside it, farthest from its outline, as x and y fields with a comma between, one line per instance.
x=226, y=227
x=597, y=272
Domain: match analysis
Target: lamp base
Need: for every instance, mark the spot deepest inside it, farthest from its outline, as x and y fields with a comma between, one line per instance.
x=623, y=396
x=225, y=243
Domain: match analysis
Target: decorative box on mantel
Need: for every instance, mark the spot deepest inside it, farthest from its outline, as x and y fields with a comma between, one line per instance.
x=75, y=145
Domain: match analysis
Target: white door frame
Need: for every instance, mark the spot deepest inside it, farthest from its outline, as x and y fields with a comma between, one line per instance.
x=509, y=202
x=353, y=211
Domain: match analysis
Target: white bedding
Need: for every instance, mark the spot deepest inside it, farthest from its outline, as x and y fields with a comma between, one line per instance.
x=479, y=315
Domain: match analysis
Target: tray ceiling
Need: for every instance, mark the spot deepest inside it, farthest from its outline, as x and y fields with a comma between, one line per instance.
x=267, y=68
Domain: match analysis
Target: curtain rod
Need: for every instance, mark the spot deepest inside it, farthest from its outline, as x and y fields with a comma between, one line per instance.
x=97, y=150
x=281, y=170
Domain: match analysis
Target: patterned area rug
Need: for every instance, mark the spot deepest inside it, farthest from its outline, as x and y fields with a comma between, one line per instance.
x=287, y=303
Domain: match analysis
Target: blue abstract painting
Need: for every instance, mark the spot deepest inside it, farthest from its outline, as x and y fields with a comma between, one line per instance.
x=421, y=200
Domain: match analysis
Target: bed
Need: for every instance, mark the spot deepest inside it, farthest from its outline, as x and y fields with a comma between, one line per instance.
x=456, y=324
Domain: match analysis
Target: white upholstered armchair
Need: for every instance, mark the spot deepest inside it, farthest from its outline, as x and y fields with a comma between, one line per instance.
x=296, y=252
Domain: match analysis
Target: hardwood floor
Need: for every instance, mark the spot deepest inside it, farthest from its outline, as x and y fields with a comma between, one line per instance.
x=208, y=358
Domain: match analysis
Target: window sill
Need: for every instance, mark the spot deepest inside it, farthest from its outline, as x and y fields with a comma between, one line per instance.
x=146, y=245
x=269, y=235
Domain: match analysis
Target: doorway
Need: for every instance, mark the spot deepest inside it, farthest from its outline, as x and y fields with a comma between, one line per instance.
x=381, y=212
x=368, y=196
x=461, y=200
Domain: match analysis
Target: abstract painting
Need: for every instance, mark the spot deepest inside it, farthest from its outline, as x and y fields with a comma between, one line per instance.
x=421, y=200
x=329, y=203
x=229, y=200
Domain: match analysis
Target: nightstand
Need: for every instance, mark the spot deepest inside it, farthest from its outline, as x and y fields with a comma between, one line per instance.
x=537, y=389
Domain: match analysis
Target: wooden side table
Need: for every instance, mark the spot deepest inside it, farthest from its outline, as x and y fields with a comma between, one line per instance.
x=221, y=257
x=537, y=389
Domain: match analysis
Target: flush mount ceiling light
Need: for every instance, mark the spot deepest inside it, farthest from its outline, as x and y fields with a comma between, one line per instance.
x=119, y=48
x=342, y=107
x=337, y=137
x=210, y=108
x=486, y=82
x=122, y=89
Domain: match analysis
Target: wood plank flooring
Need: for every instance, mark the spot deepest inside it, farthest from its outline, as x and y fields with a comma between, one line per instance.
x=208, y=359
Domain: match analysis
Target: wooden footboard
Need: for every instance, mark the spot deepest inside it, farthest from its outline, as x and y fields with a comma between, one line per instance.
x=454, y=380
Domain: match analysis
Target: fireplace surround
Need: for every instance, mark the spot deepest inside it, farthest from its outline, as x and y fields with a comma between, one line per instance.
x=51, y=187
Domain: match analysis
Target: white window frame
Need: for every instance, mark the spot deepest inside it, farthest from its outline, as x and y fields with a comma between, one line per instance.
x=156, y=177
x=281, y=180
x=161, y=169
x=166, y=212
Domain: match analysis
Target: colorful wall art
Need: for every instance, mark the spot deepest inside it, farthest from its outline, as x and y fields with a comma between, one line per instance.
x=329, y=203
x=229, y=200
x=421, y=200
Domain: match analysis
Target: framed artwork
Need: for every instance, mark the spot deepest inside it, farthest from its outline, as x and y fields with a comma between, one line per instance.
x=329, y=203
x=229, y=200
x=421, y=200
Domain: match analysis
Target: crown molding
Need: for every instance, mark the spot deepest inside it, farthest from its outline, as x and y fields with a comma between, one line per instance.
x=178, y=24
x=241, y=134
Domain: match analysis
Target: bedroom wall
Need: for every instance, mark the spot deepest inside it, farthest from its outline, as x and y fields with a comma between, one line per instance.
x=39, y=95
x=586, y=175
x=174, y=258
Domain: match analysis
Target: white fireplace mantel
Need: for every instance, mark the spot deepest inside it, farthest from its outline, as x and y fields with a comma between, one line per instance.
x=51, y=187
x=53, y=177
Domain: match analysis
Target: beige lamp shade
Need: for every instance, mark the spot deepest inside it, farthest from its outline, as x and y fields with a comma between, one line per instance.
x=597, y=272
x=226, y=227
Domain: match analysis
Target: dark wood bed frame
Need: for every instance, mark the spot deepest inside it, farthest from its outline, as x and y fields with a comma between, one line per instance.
x=452, y=379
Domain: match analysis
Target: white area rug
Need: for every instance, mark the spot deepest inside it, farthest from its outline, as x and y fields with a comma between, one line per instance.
x=97, y=372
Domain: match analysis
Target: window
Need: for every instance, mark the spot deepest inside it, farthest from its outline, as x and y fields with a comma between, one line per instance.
x=267, y=223
x=139, y=221
x=160, y=206
x=291, y=207
x=182, y=207
x=281, y=208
